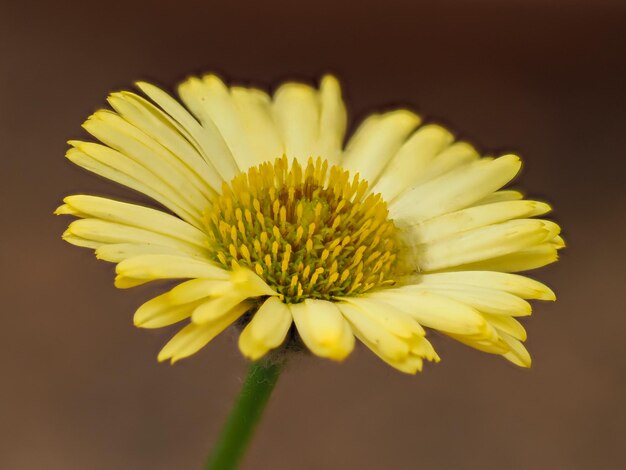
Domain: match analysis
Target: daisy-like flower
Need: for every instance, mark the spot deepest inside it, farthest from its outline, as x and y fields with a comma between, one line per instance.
x=272, y=224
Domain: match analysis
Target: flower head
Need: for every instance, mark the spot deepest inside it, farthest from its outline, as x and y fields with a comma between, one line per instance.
x=271, y=224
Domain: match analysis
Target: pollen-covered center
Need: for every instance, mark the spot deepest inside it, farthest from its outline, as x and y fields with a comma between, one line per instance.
x=310, y=232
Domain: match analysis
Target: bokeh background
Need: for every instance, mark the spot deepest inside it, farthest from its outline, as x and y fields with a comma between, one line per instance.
x=81, y=388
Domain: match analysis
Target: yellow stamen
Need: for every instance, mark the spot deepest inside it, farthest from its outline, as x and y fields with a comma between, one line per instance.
x=309, y=232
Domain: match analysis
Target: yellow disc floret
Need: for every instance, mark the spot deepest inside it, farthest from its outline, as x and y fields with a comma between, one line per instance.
x=309, y=232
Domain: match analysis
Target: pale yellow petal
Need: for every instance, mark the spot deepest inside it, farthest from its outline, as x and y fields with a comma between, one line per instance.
x=207, y=138
x=473, y=217
x=482, y=243
x=454, y=156
x=147, y=268
x=374, y=335
x=333, y=120
x=196, y=289
x=376, y=141
x=296, y=111
x=255, y=110
x=523, y=260
x=515, y=284
x=491, y=346
x=216, y=307
x=136, y=216
x=117, y=252
x=409, y=365
x=423, y=348
x=402, y=354
x=558, y=242
x=158, y=125
x=210, y=100
x=122, y=136
x=323, y=329
x=413, y=160
x=114, y=233
x=117, y=167
x=394, y=320
x=437, y=311
x=507, y=325
x=244, y=284
x=267, y=329
x=483, y=299
x=500, y=196
x=82, y=242
x=456, y=189
x=518, y=354
x=193, y=337
x=159, y=312
x=246, y=280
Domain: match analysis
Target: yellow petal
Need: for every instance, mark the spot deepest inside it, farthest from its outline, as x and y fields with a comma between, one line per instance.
x=376, y=141
x=453, y=156
x=394, y=320
x=507, y=325
x=267, y=329
x=163, y=129
x=374, y=335
x=122, y=136
x=260, y=130
x=401, y=354
x=323, y=329
x=117, y=167
x=159, y=312
x=416, y=158
x=296, y=112
x=216, y=307
x=246, y=281
x=82, y=242
x=136, y=216
x=475, y=217
x=118, y=252
x=492, y=346
x=194, y=336
x=195, y=289
x=423, y=348
x=210, y=100
x=518, y=354
x=333, y=120
x=523, y=260
x=485, y=300
x=151, y=267
x=207, y=138
x=522, y=286
x=482, y=243
x=500, y=196
x=436, y=311
x=456, y=189
x=409, y=365
x=114, y=233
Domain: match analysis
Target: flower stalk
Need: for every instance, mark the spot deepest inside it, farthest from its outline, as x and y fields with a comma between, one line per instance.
x=244, y=416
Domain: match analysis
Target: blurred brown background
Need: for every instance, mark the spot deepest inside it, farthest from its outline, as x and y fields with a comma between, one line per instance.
x=81, y=388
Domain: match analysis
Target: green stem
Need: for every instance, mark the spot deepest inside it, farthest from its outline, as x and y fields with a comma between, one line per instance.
x=244, y=416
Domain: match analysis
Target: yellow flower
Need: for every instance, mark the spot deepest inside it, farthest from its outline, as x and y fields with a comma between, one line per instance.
x=280, y=229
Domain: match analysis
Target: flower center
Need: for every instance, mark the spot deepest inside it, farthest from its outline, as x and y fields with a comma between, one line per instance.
x=309, y=232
